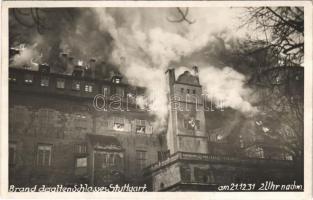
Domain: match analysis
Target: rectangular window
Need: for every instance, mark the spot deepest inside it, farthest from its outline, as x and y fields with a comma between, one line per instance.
x=140, y=126
x=118, y=124
x=81, y=162
x=44, y=152
x=288, y=157
x=140, y=129
x=191, y=124
x=76, y=85
x=163, y=155
x=212, y=138
x=29, y=78
x=88, y=88
x=116, y=80
x=120, y=91
x=60, y=83
x=197, y=124
x=194, y=91
x=81, y=148
x=188, y=91
x=12, y=153
x=140, y=122
x=110, y=159
x=186, y=123
x=182, y=90
x=105, y=91
x=44, y=82
x=259, y=152
x=141, y=159
x=113, y=90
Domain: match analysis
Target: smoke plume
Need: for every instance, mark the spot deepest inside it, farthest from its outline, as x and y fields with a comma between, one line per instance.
x=142, y=44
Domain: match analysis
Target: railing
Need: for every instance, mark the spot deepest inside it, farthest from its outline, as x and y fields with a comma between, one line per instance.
x=215, y=158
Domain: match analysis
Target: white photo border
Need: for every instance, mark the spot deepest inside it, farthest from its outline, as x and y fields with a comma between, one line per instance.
x=307, y=194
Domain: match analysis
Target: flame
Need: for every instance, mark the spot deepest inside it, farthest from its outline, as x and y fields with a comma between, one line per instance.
x=80, y=63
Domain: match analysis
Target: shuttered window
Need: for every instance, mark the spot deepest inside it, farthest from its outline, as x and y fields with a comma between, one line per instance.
x=44, y=155
x=60, y=83
x=141, y=159
x=44, y=82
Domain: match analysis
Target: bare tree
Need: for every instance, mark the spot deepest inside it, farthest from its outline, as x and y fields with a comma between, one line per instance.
x=183, y=16
x=282, y=28
x=278, y=77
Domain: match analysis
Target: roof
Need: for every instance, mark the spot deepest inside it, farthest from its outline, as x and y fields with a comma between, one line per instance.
x=188, y=78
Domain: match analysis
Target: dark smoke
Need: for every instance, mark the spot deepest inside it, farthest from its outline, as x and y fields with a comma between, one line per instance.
x=141, y=43
x=65, y=35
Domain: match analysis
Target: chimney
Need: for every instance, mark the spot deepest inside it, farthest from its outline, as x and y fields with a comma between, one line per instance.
x=171, y=76
x=195, y=70
x=70, y=65
x=170, y=79
x=101, y=70
x=92, y=66
x=64, y=60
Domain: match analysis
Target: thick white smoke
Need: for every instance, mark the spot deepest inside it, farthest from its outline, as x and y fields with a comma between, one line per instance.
x=228, y=86
x=150, y=43
x=28, y=57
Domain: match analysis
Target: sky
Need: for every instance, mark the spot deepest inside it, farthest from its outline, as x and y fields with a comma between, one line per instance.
x=142, y=43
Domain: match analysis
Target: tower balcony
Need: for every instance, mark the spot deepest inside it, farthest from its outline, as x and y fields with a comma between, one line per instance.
x=205, y=172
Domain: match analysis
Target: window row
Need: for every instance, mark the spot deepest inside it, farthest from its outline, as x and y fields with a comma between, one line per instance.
x=142, y=126
x=76, y=85
x=60, y=83
x=44, y=154
x=188, y=91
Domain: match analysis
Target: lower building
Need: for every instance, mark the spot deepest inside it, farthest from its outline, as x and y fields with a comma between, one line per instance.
x=58, y=136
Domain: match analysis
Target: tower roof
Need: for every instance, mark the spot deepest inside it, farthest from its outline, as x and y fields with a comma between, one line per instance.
x=188, y=78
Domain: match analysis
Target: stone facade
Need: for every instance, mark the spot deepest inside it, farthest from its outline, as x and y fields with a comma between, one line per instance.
x=51, y=133
x=200, y=160
x=67, y=129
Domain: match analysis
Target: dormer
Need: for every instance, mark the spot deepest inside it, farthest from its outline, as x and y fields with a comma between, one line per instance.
x=78, y=71
x=117, y=78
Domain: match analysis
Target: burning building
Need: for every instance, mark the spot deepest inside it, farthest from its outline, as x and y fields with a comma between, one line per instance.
x=58, y=136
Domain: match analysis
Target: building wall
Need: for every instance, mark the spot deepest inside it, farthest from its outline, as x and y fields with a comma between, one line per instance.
x=166, y=177
x=186, y=110
x=38, y=116
x=214, y=173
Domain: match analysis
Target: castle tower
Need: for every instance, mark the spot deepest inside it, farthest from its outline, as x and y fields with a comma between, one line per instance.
x=186, y=129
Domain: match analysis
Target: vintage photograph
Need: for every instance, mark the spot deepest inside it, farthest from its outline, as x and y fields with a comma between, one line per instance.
x=156, y=99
